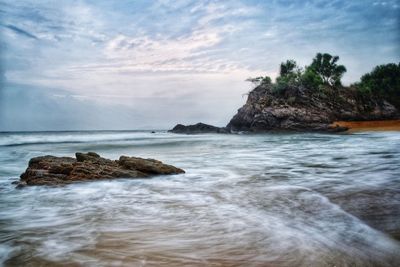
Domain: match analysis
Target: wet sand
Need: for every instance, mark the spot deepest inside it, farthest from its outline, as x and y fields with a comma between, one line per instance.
x=360, y=126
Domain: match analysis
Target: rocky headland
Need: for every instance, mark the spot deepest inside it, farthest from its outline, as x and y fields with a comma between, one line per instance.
x=298, y=108
x=313, y=99
x=51, y=170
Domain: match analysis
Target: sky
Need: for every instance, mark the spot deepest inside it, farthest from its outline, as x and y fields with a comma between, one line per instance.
x=126, y=65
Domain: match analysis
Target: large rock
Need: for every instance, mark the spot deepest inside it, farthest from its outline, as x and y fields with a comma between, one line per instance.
x=50, y=170
x=302, y=109
x=197, y=128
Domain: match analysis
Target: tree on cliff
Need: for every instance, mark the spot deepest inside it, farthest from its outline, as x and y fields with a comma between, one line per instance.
x=323, y=70
x=260, y=80
x=326, y=67
x=289, y=74
x=323, y=77
x=383, y=81
x=287, y=68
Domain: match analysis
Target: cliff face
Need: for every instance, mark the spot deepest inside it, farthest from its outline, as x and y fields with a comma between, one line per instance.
x=298, y=108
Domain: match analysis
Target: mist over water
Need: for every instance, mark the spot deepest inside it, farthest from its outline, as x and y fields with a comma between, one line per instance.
x=245, y=200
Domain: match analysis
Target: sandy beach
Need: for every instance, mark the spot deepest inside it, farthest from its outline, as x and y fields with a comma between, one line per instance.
x=359, y=126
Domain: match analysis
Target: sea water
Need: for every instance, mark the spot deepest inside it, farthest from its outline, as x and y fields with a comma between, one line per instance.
x=303, y=199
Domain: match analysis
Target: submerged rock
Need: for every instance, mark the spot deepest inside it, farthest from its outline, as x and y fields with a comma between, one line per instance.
x=51, y=170
x=197, y=128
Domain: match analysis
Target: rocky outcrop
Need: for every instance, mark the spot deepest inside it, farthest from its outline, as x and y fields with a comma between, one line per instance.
x=51, y=170
x=301, y=109
x=197, y=128
x=296, y=108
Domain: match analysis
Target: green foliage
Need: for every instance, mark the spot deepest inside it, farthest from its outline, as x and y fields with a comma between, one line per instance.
x=323, y=70
x=266, y=80
x=383, y=81
x=310, y=79
x=325, y=65
x=324, y=75
x=291, y=100
x=260, y=80
x=287, y=68
x=289, y=80
x=290, y=75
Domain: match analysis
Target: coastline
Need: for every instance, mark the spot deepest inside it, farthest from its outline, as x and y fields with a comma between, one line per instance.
x=375, y=125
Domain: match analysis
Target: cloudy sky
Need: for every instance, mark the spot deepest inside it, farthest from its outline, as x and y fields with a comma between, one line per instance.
x=97, y=64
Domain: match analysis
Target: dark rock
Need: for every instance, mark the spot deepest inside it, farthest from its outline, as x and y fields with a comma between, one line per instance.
x=302, y=109
x=21, y=184
x=50, y=170
x=336, y=129
x=81, y=157
x=148, y=166
x=197, y=129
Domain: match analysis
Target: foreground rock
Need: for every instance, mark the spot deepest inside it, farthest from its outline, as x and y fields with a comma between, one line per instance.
x=197, y=128
x=300, y=109
x=50, y=170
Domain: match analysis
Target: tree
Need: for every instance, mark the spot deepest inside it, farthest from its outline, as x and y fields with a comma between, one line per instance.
x=260, y=80
x=326, y=67
x=288, y=67
x=289, y=74
x=383, y=81
x=310, y=79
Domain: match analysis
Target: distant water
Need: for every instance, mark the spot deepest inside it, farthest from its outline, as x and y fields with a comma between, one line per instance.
x=245, y=200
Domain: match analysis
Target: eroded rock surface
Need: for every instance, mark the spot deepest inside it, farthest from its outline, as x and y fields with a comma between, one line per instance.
x=297, y=108
x=51, y=170
x=301, y=109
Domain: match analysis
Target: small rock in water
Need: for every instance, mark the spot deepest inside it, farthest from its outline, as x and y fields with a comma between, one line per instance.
x=21, y=184
x=197, y=129
x=51, y=170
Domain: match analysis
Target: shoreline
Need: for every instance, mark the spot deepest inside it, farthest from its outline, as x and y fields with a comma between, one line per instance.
x=376, y=125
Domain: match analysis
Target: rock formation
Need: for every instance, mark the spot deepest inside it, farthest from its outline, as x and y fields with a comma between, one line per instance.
x=301, y=109
x=197, y=128
x=51, y=170
x=297, y=108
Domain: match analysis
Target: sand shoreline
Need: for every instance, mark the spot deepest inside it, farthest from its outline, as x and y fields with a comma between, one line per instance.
x=359, y=126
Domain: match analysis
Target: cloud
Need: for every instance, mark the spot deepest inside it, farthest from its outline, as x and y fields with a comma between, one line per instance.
x=156, y=60
x=52, y=22
x=146, y=54
x=20, y=31
x=190, y=52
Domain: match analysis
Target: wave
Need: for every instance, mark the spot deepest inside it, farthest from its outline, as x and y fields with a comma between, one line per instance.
x=9, y=140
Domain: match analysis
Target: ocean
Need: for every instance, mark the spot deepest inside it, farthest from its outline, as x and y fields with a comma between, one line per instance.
x=287, y=199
